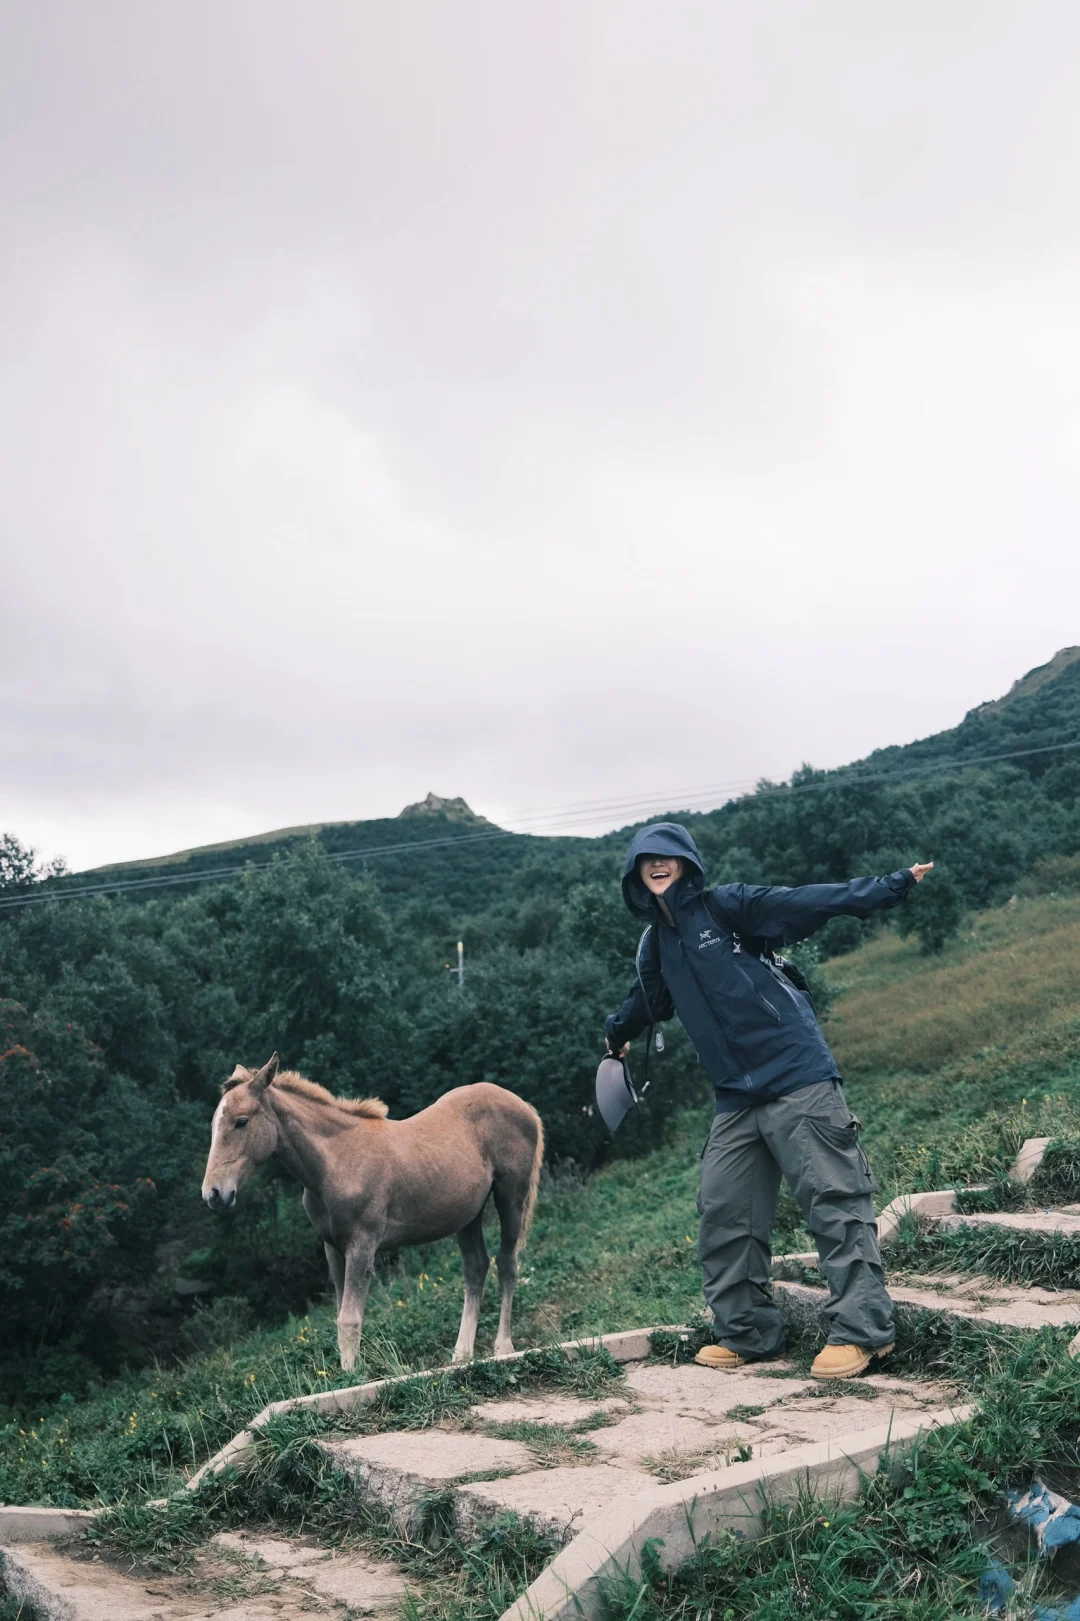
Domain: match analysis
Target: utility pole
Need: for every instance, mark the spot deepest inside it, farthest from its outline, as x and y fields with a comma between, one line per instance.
x=460, y=969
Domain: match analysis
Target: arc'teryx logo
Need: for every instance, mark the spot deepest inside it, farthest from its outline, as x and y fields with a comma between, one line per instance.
x=707, y=938
x=704, y=934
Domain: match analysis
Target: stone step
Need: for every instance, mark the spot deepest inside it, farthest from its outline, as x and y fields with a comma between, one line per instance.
x=237, y=1577
x=676, y=1520
x=562, y=1463
x=980, y=1299
x=1065, y=1219
x=672, y=1423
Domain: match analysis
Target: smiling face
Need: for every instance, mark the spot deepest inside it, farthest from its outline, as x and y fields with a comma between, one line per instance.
x=658, y=873
x=243, y=1134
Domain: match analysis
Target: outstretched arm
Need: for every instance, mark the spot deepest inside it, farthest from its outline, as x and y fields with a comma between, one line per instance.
x=771, y=912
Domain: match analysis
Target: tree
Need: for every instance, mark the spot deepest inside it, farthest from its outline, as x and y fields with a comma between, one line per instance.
x=20, y=867
x=934, y=913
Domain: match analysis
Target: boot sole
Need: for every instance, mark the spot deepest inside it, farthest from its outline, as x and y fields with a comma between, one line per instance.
x=853, y=1373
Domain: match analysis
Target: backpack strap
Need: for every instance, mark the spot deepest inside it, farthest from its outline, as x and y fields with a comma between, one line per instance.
x=651, y=1034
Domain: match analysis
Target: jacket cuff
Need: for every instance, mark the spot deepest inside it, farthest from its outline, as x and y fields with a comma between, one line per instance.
x=907, y=879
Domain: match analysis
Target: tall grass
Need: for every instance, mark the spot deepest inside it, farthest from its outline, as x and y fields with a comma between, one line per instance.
x=1033, y=1260
x=1017, y=970
x=933, y=1048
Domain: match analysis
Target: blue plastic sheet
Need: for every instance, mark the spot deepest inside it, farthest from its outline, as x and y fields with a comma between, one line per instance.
x=1054, y=1520
x=995, y=1587
x=1056, y=1523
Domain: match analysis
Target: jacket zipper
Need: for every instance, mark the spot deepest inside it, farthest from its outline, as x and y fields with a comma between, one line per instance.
x=760, y=995
x=778, y=975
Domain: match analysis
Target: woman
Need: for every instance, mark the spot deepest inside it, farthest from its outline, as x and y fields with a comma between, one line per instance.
x=708, y=955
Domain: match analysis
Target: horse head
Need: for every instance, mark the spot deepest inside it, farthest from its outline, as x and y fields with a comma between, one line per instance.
x=243, y=1134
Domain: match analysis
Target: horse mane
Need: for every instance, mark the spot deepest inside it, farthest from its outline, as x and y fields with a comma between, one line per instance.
x=289, y=1081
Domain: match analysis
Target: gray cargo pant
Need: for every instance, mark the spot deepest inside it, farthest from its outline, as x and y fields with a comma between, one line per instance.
x=812, y=1138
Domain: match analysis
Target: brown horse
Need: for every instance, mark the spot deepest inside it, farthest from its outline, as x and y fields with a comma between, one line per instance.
x=374, y=1184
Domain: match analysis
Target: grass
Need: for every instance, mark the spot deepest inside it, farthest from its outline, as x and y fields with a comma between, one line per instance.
x=291, y=1476
x=914, y=1544
x=615, y=1252
x=1014, y=970
x=294, y=1487
x=676, y=1464
x=553, y=1446
x=931, y=1045
x=939, y=1054
x=99, y=1453
x=1033, y=1260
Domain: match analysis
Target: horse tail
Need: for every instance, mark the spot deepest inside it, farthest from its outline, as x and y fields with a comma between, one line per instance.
x=534, y=1182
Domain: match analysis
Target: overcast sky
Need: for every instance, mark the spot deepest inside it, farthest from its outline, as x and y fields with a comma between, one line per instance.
x=542, y=403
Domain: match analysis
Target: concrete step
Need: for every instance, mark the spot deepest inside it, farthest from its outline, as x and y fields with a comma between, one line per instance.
x=1063, y=1220
x=671, y=1437
x=980, y=1299
x=672, y=1423
x=238, y=1577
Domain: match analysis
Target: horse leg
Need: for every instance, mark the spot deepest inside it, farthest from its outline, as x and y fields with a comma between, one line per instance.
x=319, y=1218
x=336, y=1262
x=359, y=1265
x=475, y=1262
x=510, y=1203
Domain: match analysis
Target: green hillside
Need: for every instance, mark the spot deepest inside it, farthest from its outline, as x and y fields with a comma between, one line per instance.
x=122, y=1019
x=937, y=1072
x=449, y=849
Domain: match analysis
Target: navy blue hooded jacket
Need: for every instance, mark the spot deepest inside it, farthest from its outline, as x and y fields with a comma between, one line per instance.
x=754, y=1032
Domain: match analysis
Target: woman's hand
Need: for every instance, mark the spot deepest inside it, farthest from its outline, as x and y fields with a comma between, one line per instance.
x=920, y=870
x=622, y=1052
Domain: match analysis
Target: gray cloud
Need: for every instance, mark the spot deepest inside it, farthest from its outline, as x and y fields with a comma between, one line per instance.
x=533, y=402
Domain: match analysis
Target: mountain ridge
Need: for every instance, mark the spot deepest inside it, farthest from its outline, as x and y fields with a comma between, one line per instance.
x=1041, y=710
x=990, y=800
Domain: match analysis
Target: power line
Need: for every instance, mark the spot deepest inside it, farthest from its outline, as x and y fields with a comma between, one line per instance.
x=570, y=816
x=827, y=780
x=116, y=886
x=682, y=798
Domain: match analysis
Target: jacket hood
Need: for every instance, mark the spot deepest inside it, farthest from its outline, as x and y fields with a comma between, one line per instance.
x=659, y=839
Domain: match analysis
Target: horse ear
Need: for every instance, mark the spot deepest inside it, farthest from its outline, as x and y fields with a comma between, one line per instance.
x=239, y=1074
x=262, y=1080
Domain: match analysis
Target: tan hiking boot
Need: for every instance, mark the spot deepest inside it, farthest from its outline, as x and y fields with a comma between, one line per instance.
x=718, y=1356
x=844, y=1361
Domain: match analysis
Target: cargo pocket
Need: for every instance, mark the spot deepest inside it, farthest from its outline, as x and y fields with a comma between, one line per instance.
x=835, y=1161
